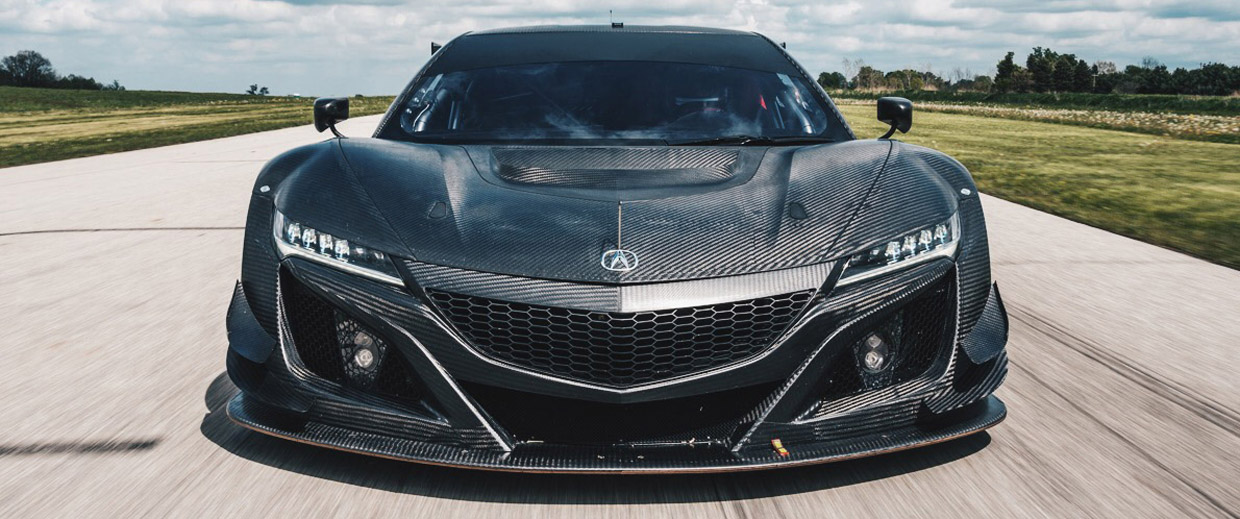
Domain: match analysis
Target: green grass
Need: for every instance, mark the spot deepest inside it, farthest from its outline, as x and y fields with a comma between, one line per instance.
x=1201, y=105
x=1180, y=194
x=40, y=125
x=1210, y=128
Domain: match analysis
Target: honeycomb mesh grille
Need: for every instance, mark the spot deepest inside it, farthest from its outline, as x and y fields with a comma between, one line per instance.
x=312, y=325
x=620, y=349
x=324, y=339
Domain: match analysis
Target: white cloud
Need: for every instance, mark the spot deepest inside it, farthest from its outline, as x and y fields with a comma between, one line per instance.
x=375, y=46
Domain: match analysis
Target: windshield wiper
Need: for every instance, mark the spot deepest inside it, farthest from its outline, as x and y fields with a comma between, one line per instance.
x=751, y=140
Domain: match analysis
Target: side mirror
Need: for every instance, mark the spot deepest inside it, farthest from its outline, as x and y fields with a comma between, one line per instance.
x=328, y=111
x=896, y=111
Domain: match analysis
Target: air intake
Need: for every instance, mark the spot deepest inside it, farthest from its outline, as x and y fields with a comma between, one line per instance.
x=620, y=349
x=336, y=347
x=912, y=339
x=616, y=168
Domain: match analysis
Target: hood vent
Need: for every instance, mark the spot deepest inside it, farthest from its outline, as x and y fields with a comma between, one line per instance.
x=616, y=168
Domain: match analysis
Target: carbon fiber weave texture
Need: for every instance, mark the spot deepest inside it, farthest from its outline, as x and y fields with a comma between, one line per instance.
x=733, y=231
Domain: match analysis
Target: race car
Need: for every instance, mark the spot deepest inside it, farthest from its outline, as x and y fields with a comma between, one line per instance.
x=615, y=249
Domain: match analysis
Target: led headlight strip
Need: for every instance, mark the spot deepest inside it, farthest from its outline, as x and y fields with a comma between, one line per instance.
x=922, y=245
x=302, y=241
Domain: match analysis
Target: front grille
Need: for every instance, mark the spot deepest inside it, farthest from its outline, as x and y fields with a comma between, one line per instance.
x=325, y=340
x=620, y=349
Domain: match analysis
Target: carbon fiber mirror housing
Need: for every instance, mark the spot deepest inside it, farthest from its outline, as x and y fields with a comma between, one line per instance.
x=328, y=111
x=897, y=112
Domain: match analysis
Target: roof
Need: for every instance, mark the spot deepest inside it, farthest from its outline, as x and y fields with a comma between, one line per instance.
x=550, y=44
x=641, y=29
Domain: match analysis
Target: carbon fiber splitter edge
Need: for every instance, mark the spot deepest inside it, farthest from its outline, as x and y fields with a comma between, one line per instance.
x=589, y=460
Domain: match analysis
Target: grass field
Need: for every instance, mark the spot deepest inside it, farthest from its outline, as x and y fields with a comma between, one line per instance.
x=1177, y=193
x=1201, y=127
x=1188, y=105
x=40, y=125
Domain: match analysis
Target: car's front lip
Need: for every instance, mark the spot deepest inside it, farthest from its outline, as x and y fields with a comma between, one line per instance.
x=680, y=459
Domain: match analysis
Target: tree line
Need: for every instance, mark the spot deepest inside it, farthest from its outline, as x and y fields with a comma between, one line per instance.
x=1045, y=70
x=28, y=68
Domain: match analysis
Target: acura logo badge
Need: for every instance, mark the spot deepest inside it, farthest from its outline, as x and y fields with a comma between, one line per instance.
x=619, y=260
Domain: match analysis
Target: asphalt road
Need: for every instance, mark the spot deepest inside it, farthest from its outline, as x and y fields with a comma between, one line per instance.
x=115, y=272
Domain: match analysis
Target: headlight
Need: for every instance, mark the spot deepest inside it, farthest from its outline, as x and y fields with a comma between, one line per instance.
x=922, y=245
x=295, y=239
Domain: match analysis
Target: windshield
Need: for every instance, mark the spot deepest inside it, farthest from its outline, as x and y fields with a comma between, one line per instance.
x=609, y=101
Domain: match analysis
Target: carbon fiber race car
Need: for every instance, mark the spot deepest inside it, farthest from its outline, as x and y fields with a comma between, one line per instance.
x=615, y=249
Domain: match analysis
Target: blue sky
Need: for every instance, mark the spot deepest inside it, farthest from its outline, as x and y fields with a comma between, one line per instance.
x=324, y=47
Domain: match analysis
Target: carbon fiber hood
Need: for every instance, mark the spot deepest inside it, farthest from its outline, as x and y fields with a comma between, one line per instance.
x=685, y=212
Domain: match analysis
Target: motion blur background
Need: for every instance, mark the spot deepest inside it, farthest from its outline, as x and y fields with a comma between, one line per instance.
x=1104, y=134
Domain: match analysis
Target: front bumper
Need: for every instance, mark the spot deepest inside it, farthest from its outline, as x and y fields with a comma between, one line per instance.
x=791, y=395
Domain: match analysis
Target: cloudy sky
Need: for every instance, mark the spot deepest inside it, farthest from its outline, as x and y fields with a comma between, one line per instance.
x=326, y=47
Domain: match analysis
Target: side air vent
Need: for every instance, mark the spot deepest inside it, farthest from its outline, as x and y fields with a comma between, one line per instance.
x=912, y=340
x=336, y=347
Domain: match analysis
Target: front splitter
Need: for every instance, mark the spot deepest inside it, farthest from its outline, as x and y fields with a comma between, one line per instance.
x=612, y=460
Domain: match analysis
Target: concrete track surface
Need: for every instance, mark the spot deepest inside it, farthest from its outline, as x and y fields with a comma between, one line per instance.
x=115, y=272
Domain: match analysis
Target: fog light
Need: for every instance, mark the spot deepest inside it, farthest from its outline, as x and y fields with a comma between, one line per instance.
x=364, y=358
x=876, y=354
x=364, y=354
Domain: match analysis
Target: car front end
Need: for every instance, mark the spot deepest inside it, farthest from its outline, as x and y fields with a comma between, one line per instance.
x=511, y=305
